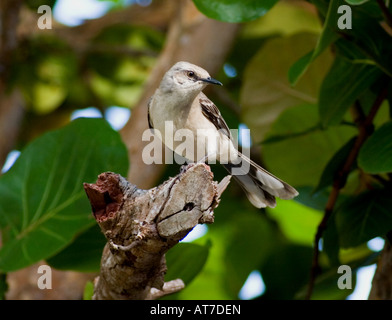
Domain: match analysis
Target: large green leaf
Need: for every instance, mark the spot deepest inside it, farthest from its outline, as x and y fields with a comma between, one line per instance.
x=364, y=217
x=83, y=254
x=369, y=37
x=234, y=10
x=375, y=155
x=325, y=287
x=334, y=165
x=216, y=273
x=331, y=246
x=43, y=204
x=251, y=231
x=297, y=221
x=185, y=261
x=308, y=198
x=297, y=19
x=266, y=90
x=327, y=37
x=362, y=56
x=301, y=157
x=344, y=83
x=356, y=2
x=289, y=263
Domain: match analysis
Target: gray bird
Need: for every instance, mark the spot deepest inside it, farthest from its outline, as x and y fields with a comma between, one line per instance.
x=180, y=102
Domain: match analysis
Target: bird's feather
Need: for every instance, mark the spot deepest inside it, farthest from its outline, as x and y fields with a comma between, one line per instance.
x=212, y=113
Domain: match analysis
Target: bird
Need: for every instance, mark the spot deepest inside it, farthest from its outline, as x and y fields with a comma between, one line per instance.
x=180, y=102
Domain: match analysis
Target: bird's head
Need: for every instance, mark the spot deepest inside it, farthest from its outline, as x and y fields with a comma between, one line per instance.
x=187, y=77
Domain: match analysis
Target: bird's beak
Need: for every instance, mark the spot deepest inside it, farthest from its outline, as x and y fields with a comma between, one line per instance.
x=212, y=81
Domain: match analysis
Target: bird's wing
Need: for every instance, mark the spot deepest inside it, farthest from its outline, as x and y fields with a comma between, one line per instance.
x=212, y=113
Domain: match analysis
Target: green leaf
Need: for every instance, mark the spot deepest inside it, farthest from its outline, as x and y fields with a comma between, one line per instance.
x=289, y=263
x=296, y=19
x=327, y=37
x=375, y=155
x=211, y=276
x=297, y=221
x=356, y=2
x=281, y=137
x=3, y=285
x=234, y=10
x=372, y=42
x=334, y=165
x=325, y=287
x=83, y=254
x=308, y=198
x=43, y=204
x=309, y=151
x=299, y=67
x=88, y=291
x=185, y=261
x=222, y=234
x=331, y=242
x=344, y=83
x=266, y=91
x=251, y=231
x=364, y=217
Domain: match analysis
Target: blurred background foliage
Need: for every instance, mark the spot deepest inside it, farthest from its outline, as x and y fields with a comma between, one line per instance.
x=317, y=101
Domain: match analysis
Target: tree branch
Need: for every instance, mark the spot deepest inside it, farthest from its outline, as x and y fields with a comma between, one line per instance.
x=365, y=126
x=142, y=225
x=385, y=12
x=382, y=280
x=11, y=102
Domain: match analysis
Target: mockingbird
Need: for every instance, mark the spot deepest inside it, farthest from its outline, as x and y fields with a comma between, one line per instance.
x=179, y=100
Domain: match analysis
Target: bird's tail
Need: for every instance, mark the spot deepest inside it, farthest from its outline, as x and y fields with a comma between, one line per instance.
x=260, y=186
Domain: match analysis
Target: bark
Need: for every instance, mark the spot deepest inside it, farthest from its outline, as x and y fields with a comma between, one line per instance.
x=142, y=225
x=11, y=105
x=191, y=37
x=382, y=280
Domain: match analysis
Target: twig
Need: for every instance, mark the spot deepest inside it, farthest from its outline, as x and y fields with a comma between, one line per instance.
x=121, y=50
x=365, y=130
x=385, y=12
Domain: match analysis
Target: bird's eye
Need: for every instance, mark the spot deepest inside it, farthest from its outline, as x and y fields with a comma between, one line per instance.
x=191, y=74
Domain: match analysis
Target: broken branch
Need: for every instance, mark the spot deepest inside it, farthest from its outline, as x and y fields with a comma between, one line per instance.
x=142, y=225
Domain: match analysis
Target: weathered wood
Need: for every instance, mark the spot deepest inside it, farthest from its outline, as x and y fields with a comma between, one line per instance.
x=142, y=225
